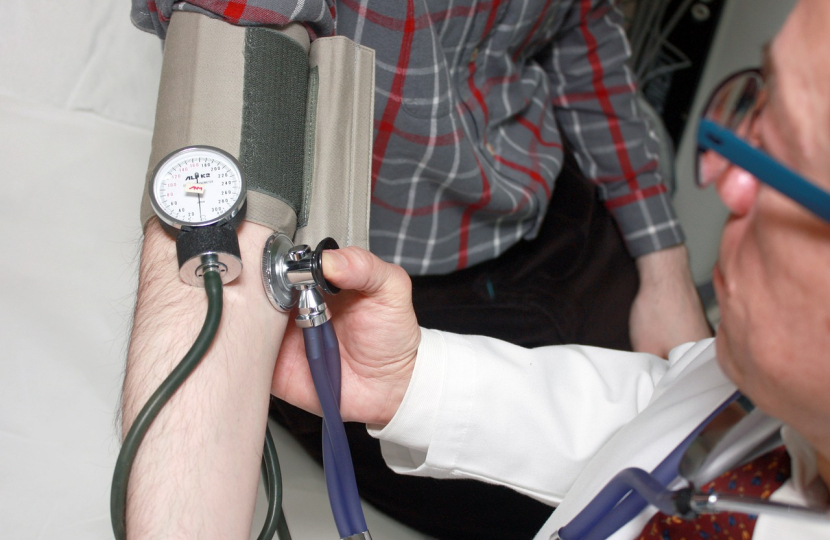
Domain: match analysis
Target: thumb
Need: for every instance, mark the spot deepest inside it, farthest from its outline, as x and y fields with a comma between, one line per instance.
x=357, y=269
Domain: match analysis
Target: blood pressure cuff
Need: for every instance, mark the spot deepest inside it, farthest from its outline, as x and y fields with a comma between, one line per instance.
x=297, y=116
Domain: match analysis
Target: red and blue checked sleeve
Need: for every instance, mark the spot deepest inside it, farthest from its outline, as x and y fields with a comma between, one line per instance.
x=316, y=15
x=594, y=101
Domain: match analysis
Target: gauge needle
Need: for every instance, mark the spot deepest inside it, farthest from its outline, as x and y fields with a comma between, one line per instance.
x=199, y=195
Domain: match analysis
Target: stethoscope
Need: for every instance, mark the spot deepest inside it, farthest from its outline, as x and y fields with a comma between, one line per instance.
x=706, y=453
x=293, y=275
x=199, y=195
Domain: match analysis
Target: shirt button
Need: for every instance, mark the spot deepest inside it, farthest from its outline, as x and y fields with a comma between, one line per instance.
x=490, y=149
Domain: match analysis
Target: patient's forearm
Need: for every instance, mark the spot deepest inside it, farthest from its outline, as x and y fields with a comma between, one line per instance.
x=196, y=472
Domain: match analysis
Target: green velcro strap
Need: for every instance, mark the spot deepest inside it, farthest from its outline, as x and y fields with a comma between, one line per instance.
x=310, y=133
x=272, y=149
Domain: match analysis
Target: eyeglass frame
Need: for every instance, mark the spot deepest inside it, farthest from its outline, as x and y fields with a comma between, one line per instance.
x=765, y=168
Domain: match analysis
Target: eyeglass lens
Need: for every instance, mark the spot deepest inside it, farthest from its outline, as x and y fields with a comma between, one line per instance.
x=733, y=105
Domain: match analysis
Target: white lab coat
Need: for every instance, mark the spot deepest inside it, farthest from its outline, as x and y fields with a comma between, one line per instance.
x=557, y=423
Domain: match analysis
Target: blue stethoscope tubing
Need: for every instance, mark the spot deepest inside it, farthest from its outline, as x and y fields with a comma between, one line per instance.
x=608, y=511
x=323, y=353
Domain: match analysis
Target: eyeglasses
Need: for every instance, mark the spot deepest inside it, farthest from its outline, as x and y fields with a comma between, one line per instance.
x=722, y=130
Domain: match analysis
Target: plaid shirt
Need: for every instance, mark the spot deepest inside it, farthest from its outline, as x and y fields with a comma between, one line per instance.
x=472, y=100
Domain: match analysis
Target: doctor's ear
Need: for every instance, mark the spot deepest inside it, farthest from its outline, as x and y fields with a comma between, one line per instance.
x=737, y=189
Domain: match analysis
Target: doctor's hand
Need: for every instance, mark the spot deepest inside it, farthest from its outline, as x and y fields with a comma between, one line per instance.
x=378, y=334
x=667, y=310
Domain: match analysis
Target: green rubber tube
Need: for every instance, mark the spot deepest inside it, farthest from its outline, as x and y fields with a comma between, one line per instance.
x=126, y=457
x=272, y=479
x=275, y=520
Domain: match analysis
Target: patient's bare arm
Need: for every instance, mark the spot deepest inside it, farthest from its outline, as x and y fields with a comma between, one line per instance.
x=197, y=470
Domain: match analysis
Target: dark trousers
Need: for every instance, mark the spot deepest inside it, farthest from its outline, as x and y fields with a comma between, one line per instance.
x=574, y=283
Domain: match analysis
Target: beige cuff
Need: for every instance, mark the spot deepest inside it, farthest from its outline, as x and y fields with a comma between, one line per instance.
x=202, y=99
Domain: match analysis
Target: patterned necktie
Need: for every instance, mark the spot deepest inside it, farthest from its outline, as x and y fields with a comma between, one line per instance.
x=758, y=478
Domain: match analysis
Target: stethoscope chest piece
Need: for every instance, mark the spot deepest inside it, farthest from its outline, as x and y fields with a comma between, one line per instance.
x=274, y=272
x=293, y=274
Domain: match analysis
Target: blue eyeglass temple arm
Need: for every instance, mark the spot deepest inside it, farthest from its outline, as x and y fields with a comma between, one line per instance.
x=711, y=136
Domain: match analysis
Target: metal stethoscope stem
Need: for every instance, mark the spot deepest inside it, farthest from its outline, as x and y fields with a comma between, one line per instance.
x=713, y=503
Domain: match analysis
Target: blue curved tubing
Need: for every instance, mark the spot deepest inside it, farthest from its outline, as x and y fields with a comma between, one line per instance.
x=323, y=353
x=606, y=513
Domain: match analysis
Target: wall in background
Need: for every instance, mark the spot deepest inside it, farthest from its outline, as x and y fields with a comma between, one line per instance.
x=745, y=26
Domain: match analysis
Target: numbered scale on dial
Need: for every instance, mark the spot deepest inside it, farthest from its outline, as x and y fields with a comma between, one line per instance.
x=197, y=186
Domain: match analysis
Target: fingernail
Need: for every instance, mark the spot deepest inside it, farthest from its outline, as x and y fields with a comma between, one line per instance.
x=334, y=262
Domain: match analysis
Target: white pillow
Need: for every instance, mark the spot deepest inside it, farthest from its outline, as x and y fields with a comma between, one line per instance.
x=80, y=55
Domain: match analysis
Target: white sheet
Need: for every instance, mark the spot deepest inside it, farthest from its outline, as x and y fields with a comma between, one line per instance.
x=77, y=96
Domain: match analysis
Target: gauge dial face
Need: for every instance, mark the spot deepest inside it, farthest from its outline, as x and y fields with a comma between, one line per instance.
x=197, y=186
